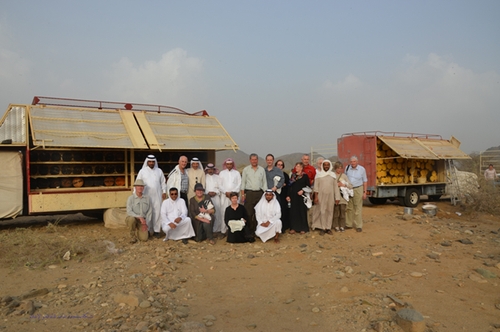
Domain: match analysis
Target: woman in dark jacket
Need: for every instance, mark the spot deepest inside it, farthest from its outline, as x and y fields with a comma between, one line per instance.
x=298, y=210
x=285, y=211
x=236, y=212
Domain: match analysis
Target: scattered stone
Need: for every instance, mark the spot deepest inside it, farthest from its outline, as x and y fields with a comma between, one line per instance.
x=416, y=274
x=465, y=241
x=148, y=281
x=303, y=245
x=477, y=278
x=27, y=307
x=497, y=306
x=446, y=244
x=182, y=312
x=193, y=327
x=486, y=273
x=407, y=217
x=7, y=299
x=145, y=304
x=315, y=309
x=34, y=293
x=410, y=320
x=142, y=326
x=469, y=232
x=433, y=256
x=397, y=301
x=250, y=256
x=375, y=254
x=132, y=300
x=365, y=302
x=344, y=289
x=67, y=256
x=378, y=326
x=289, y=301
x=252, y=326
x=210, y=318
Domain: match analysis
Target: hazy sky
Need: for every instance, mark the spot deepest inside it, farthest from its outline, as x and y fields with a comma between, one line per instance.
x=281, y=76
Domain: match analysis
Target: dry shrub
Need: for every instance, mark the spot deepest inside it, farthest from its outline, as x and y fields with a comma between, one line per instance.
x=485, y=200
x=39, y=247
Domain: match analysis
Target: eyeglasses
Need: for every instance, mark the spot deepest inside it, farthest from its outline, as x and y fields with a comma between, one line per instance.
x=174, y=194
x=279, y=164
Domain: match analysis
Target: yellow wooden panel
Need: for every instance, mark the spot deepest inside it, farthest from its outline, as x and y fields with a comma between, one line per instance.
x=147, y=131
x=133, y=130
x=78, y=201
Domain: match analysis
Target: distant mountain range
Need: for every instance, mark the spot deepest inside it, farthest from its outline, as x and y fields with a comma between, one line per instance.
x=242, y=159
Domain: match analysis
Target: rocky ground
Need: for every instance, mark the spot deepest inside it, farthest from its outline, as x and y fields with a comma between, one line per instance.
x=444, y=267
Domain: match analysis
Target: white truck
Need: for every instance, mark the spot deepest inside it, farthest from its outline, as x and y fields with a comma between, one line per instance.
x=65, y=155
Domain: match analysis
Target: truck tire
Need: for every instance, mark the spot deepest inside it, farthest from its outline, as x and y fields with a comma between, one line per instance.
x=412, y=197
x=377, y=200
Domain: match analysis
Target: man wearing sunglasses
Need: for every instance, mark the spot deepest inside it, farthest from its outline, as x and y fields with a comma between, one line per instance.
x=174, y=218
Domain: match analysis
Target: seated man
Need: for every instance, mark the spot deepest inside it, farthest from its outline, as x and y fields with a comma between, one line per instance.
x=268, y=214
x=175, y=222
x=139, y=213
x=201, y=211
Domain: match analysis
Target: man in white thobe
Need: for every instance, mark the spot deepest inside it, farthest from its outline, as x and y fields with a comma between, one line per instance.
x=230, y=181
x=178, y=178
x=155, y=188
x=268, y=215
x=196, y=174
x=212, y=189
x=174, y=218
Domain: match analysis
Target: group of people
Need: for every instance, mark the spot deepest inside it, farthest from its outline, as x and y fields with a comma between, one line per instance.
x=204, y=204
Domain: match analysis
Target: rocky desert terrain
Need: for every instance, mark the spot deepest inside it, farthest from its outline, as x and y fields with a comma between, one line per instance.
x=444, y=268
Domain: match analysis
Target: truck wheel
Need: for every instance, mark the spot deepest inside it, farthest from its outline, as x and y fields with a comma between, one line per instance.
x=434, y=198
x=412, y=197
x=377, y=200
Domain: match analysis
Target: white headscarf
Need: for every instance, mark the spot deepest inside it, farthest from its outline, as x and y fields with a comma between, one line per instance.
x=263, y=206
x=196, y=160
x=323, y=173
x=150, y=158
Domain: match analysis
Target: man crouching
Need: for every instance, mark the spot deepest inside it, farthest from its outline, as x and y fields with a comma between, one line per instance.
x=268, y=214
x=174, y=220
x=139, y=213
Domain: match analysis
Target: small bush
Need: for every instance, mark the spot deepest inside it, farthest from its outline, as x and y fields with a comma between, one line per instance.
x=485, y=200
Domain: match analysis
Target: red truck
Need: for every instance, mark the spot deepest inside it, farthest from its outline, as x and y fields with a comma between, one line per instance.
x=401, y=165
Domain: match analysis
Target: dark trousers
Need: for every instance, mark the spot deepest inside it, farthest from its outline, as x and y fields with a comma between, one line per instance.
x=252, y=197
x=184, y=196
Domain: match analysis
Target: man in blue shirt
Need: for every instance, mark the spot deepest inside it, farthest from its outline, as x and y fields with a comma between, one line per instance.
x=357, y=176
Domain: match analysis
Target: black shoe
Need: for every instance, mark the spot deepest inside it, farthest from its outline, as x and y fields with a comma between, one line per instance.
x=157, y=235
x=251, y=240
x=359, y=230
x=348, y=227
x=185, y=241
